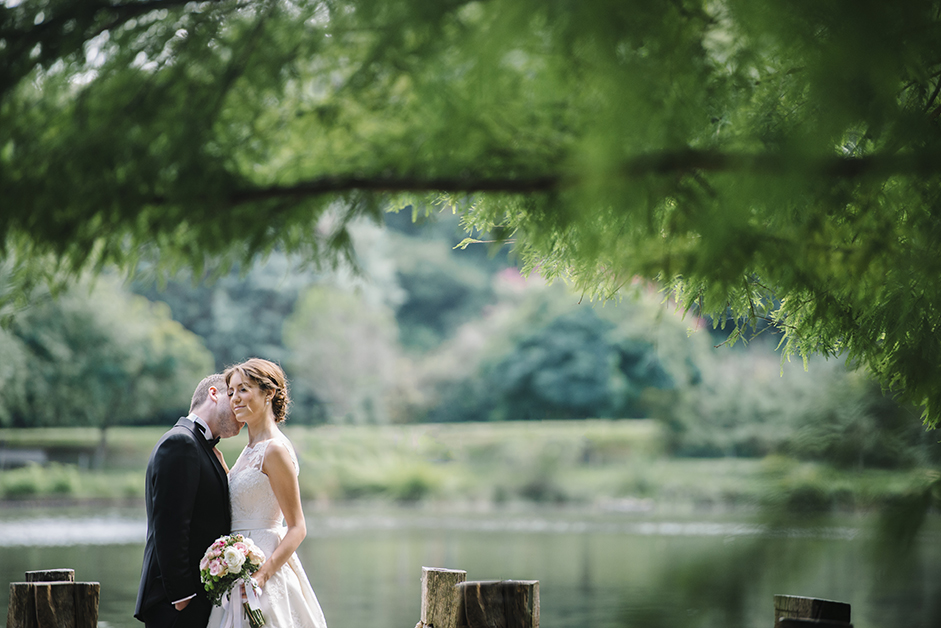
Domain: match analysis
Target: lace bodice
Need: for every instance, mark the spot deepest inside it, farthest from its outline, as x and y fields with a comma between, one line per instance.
x=254, y=504
x=287, y=599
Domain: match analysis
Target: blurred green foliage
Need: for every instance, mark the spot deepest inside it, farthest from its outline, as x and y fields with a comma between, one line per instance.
x=749, y=404
x=548, y=357
x=607, y=464
x=508, y=349
x=441, y=291
x=238, y=314
x=96, y=355
x=776, y=160
x=340, y=334
x=343, y=354
x=65, y=481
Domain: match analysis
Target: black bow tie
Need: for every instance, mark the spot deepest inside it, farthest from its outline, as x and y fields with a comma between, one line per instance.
x=212, y=442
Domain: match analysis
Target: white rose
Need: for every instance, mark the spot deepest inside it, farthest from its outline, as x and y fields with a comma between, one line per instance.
x=233, y=559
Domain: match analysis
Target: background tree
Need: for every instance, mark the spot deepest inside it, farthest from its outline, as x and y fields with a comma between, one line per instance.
x=441, y=290
x=240, y=314
x=540, y=354
x=747, y=404
x=778, y=162
x=344, y=354
x=98, y=356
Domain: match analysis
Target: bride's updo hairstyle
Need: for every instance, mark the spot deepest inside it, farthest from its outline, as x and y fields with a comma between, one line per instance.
x=267, y=376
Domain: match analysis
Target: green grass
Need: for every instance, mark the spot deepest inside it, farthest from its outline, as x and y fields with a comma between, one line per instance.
x=620, y=464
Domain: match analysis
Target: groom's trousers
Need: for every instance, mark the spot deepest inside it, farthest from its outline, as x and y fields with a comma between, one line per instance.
x=164, y=615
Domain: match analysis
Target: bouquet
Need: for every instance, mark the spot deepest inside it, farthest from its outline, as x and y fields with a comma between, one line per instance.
x=229, y=561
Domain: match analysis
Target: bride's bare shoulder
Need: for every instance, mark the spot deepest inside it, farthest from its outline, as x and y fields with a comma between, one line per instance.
x=279, y=454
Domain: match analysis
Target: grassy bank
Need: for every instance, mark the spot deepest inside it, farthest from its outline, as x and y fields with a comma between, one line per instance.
x=613, y=464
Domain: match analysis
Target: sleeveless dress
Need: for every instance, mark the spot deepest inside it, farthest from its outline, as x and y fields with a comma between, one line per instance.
x=287, y=600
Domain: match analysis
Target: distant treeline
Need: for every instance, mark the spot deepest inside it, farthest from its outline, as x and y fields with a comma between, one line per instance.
x=423, y=332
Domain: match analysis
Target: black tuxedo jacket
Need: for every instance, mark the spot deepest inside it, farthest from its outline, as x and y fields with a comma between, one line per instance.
x=187, y=495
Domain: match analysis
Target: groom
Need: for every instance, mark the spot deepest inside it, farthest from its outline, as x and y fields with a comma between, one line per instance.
x=187, y=497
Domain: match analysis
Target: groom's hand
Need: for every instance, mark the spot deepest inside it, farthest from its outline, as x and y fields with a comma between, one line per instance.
x=181, y=605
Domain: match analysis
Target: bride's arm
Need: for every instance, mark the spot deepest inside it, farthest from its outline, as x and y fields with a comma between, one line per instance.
x=279, y=467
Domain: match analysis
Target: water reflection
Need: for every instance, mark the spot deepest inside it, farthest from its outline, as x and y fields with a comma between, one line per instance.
x=62, y=531
x=116, y=529
x=607, y=570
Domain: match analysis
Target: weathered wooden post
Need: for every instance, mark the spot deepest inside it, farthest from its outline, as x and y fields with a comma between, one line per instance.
x=450, y=601
x=791, y=611
x=440, y=598
x=500, y=604
x=52, y=599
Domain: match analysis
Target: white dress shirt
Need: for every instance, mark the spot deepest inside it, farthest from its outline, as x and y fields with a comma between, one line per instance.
x=202, y=425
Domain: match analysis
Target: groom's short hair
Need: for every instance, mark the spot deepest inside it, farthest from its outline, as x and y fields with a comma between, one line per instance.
x=216, y=380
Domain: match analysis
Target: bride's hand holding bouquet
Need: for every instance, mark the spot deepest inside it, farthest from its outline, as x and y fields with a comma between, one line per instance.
x=229, y=562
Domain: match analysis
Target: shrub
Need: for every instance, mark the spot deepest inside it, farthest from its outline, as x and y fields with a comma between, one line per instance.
x=749, y=405
x=23, y=482
x=550, y=358
x=62, y=479
x=412, y=485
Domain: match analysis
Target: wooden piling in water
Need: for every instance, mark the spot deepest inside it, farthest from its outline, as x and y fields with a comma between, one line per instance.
x=791, y=611
x=500, y=604
x=440, y=598
x=450, y=601
x=52, y=599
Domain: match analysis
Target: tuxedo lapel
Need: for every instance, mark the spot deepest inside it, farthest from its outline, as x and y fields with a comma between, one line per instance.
x=197, y=433
x=208, y=448
x=217, y=465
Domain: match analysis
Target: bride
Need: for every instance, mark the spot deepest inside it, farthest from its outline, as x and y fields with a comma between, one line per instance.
x=264, y=490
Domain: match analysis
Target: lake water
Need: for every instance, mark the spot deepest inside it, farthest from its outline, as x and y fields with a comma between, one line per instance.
x=596, y=568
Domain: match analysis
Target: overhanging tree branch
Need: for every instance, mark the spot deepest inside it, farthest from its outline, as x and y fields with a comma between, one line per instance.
x=666, y=163
x=342, y=184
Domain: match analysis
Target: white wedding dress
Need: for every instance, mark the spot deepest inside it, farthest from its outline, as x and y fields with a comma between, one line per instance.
x=287, y=600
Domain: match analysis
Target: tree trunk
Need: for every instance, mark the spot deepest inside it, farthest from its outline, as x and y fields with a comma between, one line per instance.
x=98, y=462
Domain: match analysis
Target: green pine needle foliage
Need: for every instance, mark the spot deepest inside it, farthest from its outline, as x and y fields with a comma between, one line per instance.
x=765, y=161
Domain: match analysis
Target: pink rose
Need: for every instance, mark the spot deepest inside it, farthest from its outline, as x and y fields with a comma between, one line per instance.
x=216, y=567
